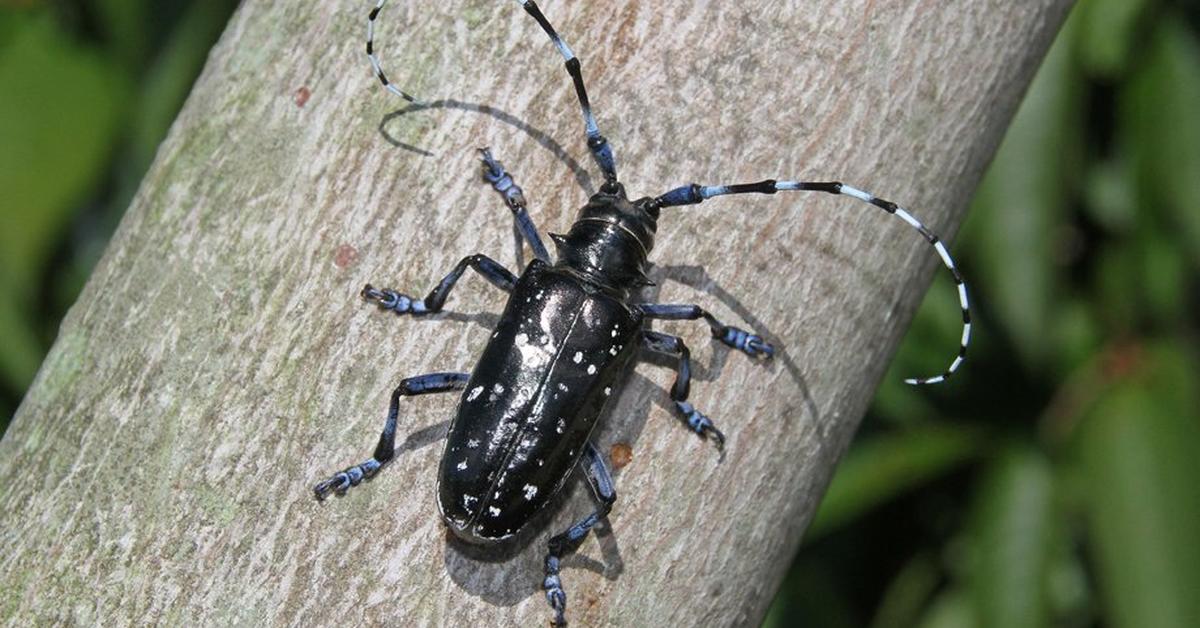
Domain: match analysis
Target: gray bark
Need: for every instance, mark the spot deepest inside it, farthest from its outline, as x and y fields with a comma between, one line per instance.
x=218, y=362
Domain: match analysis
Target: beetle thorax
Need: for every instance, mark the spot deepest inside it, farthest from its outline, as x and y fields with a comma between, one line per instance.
x=609, y=244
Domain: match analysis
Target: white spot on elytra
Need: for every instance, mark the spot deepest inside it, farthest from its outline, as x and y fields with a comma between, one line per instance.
x=530, y=491
x=607, y=391
x=563, y=387
x=473, y=443
x=495, y=512
x=498, y=389
x=533, y=354
x=475, y=392
x=578, y=357
x=612, y=350
x=462, y=466
x=591, y=369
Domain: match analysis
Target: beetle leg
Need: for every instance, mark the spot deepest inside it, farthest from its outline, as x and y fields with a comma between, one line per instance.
x=491, y=270
x=600, y=480
x=412, y=386
x=673, y=345
x=740, y=339
x=502, y=181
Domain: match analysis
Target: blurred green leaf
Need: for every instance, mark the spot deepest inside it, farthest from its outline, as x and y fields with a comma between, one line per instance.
x=883, y=467
x=908, y=593
x=1107, y=34
x=58, y=124
x=1163, y=271
x=22, y=352
x=125, y=30
x=1110, y=196
x=1012, y=540
x=1160, y=125
x=1069, y=590
x=809, y=598
x=1118, y=278
x=175, y=70
x=949, y=610
x=1139, y=465
x=1013, y=227
x=1079, y=333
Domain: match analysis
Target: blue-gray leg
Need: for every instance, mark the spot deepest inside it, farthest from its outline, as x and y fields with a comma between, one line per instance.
x=737, y=338
x=420, y=385
x=494, y=173
x=673, y=345
x=600, y=480
x=491, y=270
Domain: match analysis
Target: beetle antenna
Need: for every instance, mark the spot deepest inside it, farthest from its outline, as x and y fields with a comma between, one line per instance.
x=693, y=194
x=391, y=87
x=596, y=142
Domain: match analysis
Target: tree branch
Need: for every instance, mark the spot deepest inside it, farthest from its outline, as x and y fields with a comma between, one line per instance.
x=219, y=362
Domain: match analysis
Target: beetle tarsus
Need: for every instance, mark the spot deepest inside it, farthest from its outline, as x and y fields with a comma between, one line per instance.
x=751, y=344
x=555, y=596
x=700, y=423
x=388, y=299
x=343, y=480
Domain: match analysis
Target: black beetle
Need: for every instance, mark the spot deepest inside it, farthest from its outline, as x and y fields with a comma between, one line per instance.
x=567, y=335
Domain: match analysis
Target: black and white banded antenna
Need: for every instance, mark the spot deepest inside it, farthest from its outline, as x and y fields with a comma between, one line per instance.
x=692, y=194
x=391, y=87
x=596, y=142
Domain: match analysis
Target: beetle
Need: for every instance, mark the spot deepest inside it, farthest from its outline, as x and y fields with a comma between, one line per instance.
x=570, y=330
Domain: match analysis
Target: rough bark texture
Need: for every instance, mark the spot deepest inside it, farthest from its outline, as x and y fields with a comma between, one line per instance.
x=219, y=361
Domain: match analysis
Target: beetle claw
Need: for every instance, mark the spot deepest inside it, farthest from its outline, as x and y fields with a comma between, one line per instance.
x=555, y=596
x=336, y=484
x=717, y=437
x=751, y=344
x=391, y=300
x=700, y=423
x=343, y=480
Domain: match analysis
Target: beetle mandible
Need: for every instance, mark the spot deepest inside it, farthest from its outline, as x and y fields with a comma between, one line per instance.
x=569, y=331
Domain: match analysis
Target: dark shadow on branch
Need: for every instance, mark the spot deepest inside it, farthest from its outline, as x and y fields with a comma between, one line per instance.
x=582, y=177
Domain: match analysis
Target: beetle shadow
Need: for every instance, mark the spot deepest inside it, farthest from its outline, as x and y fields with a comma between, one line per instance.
x=626, y=423
x=695, y=276
x=508, y=573
x=582, y=177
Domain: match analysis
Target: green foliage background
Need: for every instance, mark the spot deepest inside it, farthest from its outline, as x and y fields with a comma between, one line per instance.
x=1053, y=483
